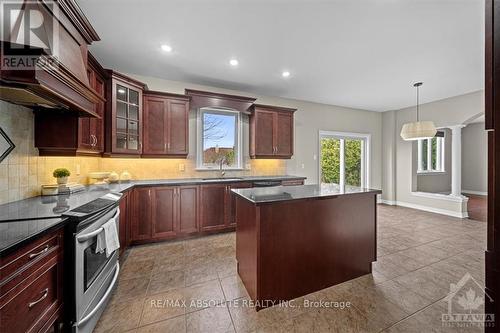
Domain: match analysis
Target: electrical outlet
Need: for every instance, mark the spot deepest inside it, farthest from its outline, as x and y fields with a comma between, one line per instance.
x=182, y=167
x=78, y=169
x=303, y=166
x=315, y=157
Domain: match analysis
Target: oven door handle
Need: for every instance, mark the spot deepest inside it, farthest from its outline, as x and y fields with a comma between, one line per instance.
x=88, y=236
x=103, y=298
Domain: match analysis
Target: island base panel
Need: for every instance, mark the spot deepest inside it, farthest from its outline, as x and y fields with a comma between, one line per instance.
x=290, y=249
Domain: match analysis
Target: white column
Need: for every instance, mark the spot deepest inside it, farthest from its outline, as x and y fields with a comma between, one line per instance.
x=438, y=154
x=342, y=165
x=419, y=155
x=456, y=160
x=429, y=155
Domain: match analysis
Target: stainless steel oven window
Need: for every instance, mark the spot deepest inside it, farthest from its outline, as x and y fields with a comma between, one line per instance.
x=93, y=264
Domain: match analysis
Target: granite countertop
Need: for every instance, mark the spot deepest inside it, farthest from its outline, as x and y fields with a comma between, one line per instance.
x=17, y=233
x=288, y=193
x=54, y=206
x=24, y=220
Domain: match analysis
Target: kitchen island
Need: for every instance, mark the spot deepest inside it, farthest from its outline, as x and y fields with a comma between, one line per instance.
x=295, y=240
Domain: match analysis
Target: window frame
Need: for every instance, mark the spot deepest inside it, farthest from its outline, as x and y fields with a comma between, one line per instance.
x=365, y=154
x=440, y=156
x=238, y=137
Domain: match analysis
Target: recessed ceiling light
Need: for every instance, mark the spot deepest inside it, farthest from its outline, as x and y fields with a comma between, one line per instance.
x=285, y=74
x=166, y=48
x=233, y=62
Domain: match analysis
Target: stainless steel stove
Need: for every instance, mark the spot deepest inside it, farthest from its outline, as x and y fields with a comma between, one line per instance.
x=92, y=276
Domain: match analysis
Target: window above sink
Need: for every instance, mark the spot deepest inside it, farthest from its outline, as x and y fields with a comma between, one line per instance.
x=219, y=139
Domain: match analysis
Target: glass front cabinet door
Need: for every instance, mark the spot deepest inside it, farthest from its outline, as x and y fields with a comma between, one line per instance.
x=125, y=134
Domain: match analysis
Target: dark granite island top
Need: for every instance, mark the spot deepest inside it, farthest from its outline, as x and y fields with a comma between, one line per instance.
x=288, y=193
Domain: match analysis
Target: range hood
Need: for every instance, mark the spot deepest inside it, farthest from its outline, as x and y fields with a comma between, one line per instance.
x=54, y=81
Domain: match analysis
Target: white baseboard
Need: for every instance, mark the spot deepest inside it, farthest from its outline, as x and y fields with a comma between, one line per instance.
x=475, y=192
x=387, y=202
x=462, y=215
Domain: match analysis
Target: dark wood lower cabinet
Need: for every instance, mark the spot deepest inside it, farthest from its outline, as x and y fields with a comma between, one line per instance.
x=124, y=228
x=31, y=280
x=173, y=212
x=213, y=203
x=231, y=205
x=163, y=216
x=188, y=209
x=140, y=223
x=164, y=212
x=217, y=206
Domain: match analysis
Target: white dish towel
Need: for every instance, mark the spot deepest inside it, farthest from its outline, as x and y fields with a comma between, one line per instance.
x=107, y=239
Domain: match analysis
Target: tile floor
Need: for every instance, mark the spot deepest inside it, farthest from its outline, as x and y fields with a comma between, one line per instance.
x=419, y=255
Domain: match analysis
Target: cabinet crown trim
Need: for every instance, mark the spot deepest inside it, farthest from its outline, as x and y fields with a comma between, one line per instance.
x=155, y=93
x=272, y=108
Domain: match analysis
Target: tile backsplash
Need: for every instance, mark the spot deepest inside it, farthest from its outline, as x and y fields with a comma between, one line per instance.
x=23, y=172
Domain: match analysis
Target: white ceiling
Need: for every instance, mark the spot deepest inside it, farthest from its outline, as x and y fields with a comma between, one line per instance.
x=357, y=53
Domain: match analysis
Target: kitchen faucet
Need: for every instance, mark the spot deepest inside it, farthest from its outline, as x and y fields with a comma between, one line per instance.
x=222, y=160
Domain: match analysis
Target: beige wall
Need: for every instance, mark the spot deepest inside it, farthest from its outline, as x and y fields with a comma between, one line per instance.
x=309, y=120
x=475, y=158
x=447, y=112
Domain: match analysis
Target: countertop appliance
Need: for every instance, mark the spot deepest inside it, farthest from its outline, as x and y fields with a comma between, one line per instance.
x=90, y=276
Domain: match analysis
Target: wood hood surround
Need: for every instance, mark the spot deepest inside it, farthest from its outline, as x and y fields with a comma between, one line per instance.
x=62, y=84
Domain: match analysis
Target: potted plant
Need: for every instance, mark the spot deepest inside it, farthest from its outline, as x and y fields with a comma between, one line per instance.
x=62, y=175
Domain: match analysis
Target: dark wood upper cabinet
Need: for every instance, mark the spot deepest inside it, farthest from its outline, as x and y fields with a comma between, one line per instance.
x=123, y=115
x=271, y=132
x=60, y=133
x=262, y=124
x=166, y=124
x=91, y=130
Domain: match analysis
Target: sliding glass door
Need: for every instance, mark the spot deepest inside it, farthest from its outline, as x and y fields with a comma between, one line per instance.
x=343, y=159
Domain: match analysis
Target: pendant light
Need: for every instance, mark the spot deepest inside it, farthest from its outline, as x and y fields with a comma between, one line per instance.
x=419, y=129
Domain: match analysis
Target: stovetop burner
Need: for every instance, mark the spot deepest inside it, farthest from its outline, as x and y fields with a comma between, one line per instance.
x=94, y=207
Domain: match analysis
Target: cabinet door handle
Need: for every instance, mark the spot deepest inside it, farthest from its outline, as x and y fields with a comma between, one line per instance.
x=44, y=296
x=168, y=146
x=95, y=138
x=165, y=146
x=33, y=255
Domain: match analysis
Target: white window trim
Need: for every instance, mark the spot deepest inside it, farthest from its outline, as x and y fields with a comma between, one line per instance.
x=365, y=153
x=440, y=162
x=199, y=139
